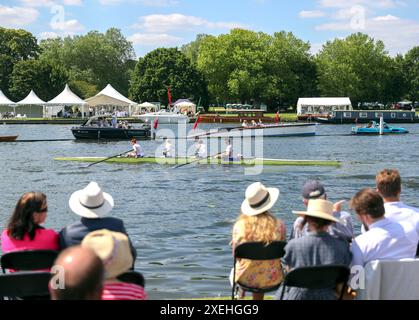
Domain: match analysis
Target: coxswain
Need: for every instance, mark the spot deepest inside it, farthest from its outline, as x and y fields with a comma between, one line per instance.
x=137, y=152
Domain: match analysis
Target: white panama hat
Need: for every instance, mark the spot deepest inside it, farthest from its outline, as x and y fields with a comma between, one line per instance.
x=259, y=199
x=319, y=208
x=91, y=202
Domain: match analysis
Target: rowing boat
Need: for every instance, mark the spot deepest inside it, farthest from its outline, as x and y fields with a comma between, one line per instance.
x=7, y=138
x=176, y=161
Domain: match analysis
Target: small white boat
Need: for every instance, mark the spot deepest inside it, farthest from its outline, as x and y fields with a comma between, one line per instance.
x=275, y=130
x=164, y=117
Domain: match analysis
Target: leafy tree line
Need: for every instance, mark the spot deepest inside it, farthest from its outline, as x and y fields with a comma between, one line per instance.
x=241, y=66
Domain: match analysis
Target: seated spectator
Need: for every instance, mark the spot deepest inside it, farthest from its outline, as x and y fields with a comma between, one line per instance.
x=256, y=223
x=313, y=189
x=384, y=239
x=113, y=248
x=83, y=273
x=92, y=205
x=389, y=185
x=24, y=230
x=316, y=248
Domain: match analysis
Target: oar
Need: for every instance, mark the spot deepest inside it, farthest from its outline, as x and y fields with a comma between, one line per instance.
x=199, y=159
x=103, y=160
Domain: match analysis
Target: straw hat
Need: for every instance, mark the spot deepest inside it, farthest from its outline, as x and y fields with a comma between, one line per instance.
x=319, y=208
x=259, y=199
x=113, y=248
x=91, y=202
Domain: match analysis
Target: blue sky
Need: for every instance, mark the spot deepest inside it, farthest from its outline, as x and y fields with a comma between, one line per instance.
x=150, y=24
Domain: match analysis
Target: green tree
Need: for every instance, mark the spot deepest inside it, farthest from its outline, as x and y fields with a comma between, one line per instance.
x=411, y=73
x=163, y=68
x=191, y=50
x=358, y=67
x=46, y=80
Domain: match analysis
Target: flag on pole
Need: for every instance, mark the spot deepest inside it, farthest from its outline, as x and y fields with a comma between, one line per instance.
x=197, y=122
x=169, y=95
x=277, y=117
x=156, y=123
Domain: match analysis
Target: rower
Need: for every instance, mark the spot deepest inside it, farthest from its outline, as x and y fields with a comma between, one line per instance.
x=228, y=153
x=138, y=150
x=200, y=148
x=245, y=124
x=254, y=124
x=260, y=123
x=167, y=151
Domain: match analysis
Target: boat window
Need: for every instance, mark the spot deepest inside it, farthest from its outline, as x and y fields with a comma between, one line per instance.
x=363, y=115
x=379, y=114
x=393, y=115
x=347, y=114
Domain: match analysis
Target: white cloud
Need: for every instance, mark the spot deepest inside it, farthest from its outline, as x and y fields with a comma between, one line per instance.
x=73, y=2
x=370, y=3
x=37, y=3
x=159, y=40
x=164, y=23
x=69, y=26
x=48, y=35
x=145, y=3
x=13, y=17
x=311, y=14
x=399, y=35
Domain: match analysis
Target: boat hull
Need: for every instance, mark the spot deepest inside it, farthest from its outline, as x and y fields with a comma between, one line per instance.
x=177, y=161
x=283, y=130
x=110, y=133
x=8, y=138
x=374, y=131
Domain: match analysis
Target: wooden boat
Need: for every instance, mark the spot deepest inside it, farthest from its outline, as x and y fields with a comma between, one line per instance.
x=373, y=128
x=177, y=161
x=164, y=118
x=365, y=116
x=236, y=116
x=8, y=138
x=275, y=130
x=98, y=127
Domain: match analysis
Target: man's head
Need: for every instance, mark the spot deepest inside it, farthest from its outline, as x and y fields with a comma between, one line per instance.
x=368, y=205
x=83, y=275
x=313, y=189
x=389, y=184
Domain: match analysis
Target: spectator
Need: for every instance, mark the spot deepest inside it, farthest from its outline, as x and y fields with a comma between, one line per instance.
x=24, y=231
x=384, y=239
x=316, y=248
x=83, y=275
x=113, y=248
x=256, y=223
x=313, y=189
x=92, y=205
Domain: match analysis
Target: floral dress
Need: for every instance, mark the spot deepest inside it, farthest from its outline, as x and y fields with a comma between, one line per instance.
x=253, y=273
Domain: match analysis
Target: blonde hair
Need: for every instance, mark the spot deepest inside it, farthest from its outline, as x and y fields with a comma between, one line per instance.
x=262, y=227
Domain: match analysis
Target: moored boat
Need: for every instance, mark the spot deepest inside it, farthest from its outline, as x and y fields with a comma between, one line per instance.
x=209, y=160
x=373, y=128
x=275, y=130
x=164, y=118
x=8, y=138
x=98, y=127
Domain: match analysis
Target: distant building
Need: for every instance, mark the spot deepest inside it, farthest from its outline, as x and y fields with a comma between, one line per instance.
x=317, y=106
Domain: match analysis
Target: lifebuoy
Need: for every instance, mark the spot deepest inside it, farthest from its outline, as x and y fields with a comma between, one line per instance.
x=404, y=115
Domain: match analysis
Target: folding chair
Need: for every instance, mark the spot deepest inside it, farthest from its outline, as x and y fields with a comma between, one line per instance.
x=132, y=277
x=28, y=260
x=317, y=277
x=257, y=251
x=25, y=285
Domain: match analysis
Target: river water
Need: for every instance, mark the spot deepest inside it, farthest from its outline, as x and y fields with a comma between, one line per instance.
x=180, y=220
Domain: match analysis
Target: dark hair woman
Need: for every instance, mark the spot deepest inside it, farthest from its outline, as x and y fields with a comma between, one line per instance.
x=24, y=231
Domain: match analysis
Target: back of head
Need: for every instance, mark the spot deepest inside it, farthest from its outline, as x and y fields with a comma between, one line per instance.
x=389, y=183
x=368, y=202
x=21, y=221
x=83, y=275
x=261, y=227
x=313, y=189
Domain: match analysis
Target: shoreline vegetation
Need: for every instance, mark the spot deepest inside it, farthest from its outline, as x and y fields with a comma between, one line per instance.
x=242, y=66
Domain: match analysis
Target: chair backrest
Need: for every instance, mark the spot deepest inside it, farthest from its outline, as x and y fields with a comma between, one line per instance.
x=24, y=284
x=260, y=251
x=391, y=280
x=28, y=260
x=317, y=277
x=132, y=277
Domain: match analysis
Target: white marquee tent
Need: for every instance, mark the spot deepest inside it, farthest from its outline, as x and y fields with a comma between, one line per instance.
x=66, y=98
x=5, y=101
x=32, y=100
x=147, y=107
x=185, y=105
x=322, y=105
x=110, y=97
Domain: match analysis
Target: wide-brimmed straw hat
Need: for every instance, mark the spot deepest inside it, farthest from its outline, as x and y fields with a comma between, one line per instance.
x=319, y=208
x=259, y=199
x=91, y=202
x=112, y=248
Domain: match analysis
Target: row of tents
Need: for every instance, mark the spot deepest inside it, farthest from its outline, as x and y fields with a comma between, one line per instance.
x=107, y=97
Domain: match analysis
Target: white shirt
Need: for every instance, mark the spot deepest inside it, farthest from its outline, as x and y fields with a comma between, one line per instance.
x=229, y=151
x=201, y=150
x=138, y=150
x=168, y=149
x=386, y=240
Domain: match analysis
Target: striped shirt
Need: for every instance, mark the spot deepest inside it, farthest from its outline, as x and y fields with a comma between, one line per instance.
x=123, y=291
